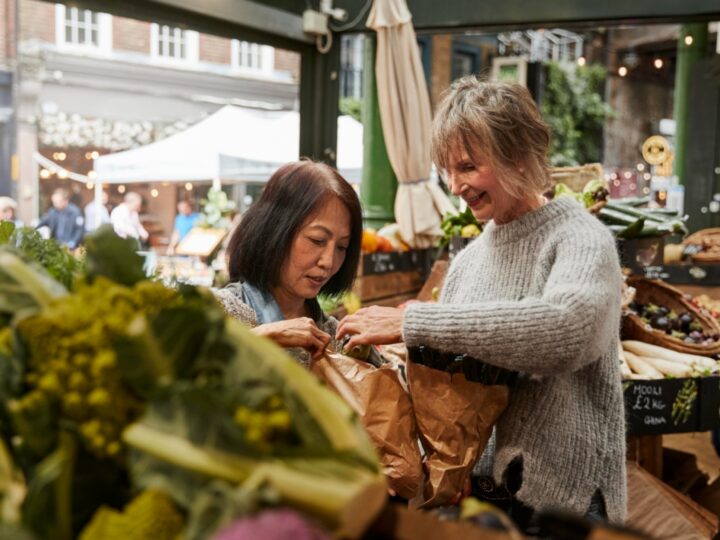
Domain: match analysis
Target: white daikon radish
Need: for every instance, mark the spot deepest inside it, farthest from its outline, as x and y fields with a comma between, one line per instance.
x=641, y=367
x=625, y=371
x=641, y=348
x=674, y=369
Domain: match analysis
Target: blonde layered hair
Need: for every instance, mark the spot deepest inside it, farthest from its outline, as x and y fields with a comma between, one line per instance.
x=497, y=124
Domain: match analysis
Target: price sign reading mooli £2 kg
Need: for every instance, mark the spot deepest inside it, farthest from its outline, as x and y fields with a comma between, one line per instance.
x=661, y=406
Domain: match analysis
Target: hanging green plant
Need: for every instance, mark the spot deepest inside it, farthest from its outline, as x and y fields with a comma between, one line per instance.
x=574, y=108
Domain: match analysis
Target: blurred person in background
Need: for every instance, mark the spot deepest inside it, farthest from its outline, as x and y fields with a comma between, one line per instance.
x=184, y=222
x=96, y=215
x=7, y=211
x=64, y=220
x=125, y=218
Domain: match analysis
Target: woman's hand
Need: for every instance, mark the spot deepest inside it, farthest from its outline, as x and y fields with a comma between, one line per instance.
x=301, y=332
x=374, y=325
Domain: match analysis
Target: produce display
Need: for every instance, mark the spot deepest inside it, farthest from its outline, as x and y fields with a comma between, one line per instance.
x=130, y=410
x=711, y=305
x=593, y=195
x=703, y=246
x=639, y=360
x=627, y=219
x=684, y=326
x=462, y=224
x=385, y=240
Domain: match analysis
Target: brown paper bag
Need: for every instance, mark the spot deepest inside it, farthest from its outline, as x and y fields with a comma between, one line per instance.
x=455, y=418
x=385, y=411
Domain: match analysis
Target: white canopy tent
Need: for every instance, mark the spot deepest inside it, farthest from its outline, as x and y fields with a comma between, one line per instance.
x=233, y=144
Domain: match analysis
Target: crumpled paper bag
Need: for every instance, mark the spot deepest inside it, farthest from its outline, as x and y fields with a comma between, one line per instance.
x=385, y=411
x=455, y=418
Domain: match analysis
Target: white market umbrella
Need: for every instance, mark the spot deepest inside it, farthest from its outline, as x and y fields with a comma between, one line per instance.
x=406, y=122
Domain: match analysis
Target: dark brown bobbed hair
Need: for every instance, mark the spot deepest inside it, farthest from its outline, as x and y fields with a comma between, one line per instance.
x=262, y=240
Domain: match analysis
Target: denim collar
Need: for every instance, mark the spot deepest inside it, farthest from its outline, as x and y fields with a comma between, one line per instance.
x=267, y=309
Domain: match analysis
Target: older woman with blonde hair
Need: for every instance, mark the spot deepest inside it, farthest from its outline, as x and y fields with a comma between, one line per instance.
x=538, y=292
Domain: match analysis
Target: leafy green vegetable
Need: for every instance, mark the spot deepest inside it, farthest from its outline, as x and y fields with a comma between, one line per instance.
x=216, y=209
x=594, y=192
x=7, y=228
x=124, y=374
x=24, y=288
x=55, y=258
x=113, y=257
x=562, y=190
x=453, y=224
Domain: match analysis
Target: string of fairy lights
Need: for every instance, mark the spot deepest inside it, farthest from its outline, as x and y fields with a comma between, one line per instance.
x=52, y=167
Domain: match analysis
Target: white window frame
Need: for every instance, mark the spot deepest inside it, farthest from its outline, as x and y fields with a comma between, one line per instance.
x=104, y=23
x=264, y=53
x=191, y=38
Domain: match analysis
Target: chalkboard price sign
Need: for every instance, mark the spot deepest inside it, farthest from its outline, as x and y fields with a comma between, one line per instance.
x=661, y=406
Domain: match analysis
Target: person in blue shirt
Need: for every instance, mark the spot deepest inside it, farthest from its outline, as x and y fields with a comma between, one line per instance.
x=184, y=222
x=64, y=219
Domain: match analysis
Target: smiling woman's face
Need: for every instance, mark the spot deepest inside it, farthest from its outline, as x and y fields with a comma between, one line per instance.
x=478, y=185
x=317, y=252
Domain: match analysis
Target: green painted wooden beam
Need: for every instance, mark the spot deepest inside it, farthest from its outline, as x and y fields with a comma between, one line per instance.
x=379, y=185
x=687, y=57
x=450, y=15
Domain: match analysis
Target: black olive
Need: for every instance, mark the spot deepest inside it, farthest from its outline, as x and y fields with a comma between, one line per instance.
x=661, y=323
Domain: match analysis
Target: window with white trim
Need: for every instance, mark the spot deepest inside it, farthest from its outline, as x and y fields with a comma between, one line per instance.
x=173, y=44
x=82, y=29
x=252, y=57
x=352, y=54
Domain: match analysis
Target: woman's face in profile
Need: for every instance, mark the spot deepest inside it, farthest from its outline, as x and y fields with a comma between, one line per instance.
x=478, y=185
x=318, y=250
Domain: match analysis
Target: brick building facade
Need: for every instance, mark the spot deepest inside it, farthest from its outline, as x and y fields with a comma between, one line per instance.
x=90, y=82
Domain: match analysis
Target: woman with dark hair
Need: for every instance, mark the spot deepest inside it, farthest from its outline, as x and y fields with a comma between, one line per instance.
x=300, y=238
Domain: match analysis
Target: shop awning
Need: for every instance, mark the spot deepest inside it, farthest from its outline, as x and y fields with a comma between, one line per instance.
x=233, y=144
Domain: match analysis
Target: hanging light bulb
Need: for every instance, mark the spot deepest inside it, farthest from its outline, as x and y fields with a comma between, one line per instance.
x=188, y=186
x=44, y=174
x=94, y=154
x=154, y=193
x=92, y=174
x=121, y=189
x=62, y=173
x=90, y=185
x=658, y=63
x=622, y=71
x=581, y=61
x=688, y=40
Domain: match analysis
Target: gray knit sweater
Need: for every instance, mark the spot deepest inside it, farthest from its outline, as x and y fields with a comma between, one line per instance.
x=541, y=295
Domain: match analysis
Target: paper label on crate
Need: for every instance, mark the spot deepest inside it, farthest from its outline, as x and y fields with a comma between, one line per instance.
x=656, y=272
